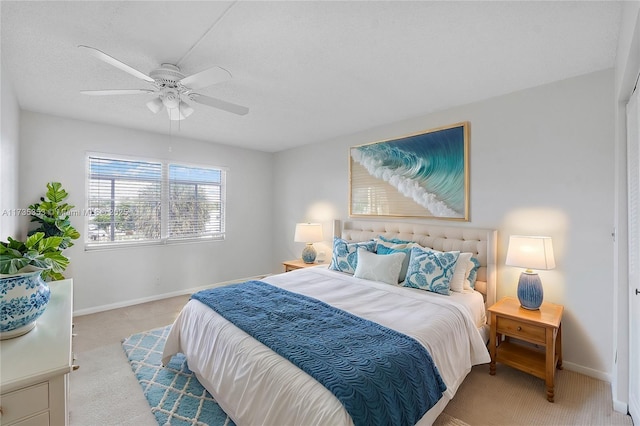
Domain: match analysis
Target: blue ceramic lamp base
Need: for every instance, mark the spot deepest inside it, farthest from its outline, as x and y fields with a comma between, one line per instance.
x=530, y=291
x=309, y=254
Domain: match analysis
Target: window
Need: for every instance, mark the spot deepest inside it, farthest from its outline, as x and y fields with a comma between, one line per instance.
x=195, y=202
x=145, y=202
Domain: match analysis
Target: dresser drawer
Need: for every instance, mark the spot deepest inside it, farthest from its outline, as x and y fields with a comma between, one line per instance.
x=520, y=330
x=41, y=419
x=24, y=403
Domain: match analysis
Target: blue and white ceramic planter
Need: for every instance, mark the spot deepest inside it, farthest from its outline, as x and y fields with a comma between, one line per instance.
x=23, y=298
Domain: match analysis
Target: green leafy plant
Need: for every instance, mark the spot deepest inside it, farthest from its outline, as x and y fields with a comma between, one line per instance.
x=43, y=247
x=52, y=213
x=37, y=251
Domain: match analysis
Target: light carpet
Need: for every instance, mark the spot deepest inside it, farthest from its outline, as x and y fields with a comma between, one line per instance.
x=174, y=393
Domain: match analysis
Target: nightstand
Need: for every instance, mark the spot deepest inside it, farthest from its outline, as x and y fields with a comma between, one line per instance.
x=530, y=341
x=291, y=265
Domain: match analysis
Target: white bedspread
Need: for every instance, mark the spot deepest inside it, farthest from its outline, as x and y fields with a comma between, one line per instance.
x=256, y=386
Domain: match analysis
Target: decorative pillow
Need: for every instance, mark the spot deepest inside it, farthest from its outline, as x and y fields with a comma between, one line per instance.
x=470, y=282
x=396, y=245
x=394, y=240
x=461, y=272
x=389, y=248
x=385, y=268
x=431, y=270
x=345, y=255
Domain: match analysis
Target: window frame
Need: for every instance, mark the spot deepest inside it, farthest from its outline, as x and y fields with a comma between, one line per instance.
x=165, y=183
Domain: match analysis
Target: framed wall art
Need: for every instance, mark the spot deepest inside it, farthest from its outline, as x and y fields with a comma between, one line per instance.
x=420, y=175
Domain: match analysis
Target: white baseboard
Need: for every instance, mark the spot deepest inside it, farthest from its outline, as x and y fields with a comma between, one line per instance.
x=634, y=409
x=153, y=298
x=620, y=406
x=596, y=374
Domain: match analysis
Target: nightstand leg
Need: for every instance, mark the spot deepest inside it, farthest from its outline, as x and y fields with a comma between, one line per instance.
x=492, y=346
x=550, y=367
x=559, y=347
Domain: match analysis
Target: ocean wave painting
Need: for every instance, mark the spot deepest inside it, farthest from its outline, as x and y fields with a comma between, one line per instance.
x=417, y=175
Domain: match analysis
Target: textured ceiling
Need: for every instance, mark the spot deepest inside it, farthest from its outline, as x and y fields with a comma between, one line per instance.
x=309, y=71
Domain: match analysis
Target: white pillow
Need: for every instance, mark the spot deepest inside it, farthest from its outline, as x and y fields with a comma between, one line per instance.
x=384, y=247
x=396, y=246
x=461, y=273
x=379, y=267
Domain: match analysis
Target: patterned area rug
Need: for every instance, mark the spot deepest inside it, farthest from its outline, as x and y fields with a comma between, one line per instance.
x=173, y=392
x=175, y=395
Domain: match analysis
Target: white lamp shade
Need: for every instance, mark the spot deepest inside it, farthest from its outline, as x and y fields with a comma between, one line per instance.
x=308, y=233
x=530, y=252
x=185, y=109
x=176, y=114
x=155, y=105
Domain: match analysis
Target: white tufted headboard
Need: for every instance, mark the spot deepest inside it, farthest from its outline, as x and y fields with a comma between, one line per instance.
x=481, y=242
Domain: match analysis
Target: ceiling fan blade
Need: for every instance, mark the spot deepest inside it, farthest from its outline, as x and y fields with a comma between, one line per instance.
x=206, y=78
x=220, y=104
x=116, y=63
x=116, y=92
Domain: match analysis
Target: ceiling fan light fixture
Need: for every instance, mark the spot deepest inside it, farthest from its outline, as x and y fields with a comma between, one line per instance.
x=185, y=109
x=155, y=105
x=171, y=99
x=175, y=114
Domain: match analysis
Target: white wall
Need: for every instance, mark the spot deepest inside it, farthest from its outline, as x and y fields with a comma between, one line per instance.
x=9, y=142
x=627, y=68
x=54, y=149
x=542, y=162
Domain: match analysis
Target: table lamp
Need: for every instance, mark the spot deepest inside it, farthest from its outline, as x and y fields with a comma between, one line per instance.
x=530, y=253
x=308, y=233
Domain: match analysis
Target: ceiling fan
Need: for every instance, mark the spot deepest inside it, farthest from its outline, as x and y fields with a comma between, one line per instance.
x=172, y=88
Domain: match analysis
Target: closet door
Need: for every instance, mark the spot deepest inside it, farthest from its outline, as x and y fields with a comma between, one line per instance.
x=633, y=170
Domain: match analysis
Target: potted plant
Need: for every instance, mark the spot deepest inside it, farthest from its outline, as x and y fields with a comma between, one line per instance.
x=52, y=213
x=25, y=265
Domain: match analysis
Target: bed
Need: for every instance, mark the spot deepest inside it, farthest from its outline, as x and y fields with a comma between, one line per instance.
x=254, y=385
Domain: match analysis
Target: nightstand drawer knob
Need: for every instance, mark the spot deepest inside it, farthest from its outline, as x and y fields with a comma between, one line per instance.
x=519, y=328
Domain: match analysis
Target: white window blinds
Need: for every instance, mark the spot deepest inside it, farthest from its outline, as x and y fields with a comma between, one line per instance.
x=196, y=202
x=132, y=202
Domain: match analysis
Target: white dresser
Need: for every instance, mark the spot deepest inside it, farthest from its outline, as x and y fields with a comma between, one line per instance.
x=34, y=368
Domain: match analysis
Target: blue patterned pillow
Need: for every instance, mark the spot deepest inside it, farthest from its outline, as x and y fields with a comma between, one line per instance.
x=345, y=255
x=431, y=270
x=394, y=240
x=473, y=275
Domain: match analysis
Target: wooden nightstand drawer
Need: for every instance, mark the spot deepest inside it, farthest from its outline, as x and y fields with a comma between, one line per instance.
x=520, y=330
x=25, y=402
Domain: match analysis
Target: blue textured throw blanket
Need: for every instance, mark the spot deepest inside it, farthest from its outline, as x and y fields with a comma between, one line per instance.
x=382, y=377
